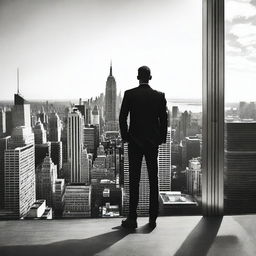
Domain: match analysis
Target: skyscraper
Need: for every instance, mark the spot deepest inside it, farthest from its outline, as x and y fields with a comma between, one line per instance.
x=240, y=169
x=40, y=133
x=20, y=190
x=54, y=127
x=75, y=144
x=77, y=201
x=164, y=164
x=45, y=181
x=20, y=112
x=3, y=146
x=110, y=98
x=56, y=154
x=192, y=148
x=2, y=122
x=95, y=116
x=143, y=206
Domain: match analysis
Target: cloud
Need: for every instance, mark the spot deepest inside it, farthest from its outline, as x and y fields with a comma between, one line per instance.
x=241, y=33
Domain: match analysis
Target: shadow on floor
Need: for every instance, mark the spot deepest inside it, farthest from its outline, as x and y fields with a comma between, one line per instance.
x=75, y=247
x=200, y=238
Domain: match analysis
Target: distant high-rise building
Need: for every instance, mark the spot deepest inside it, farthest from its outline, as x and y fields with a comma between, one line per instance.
x=58, y=198
x=77, y=201
x=75, y=144
x=40, y=133
x=56, y=154
x=54, y=127
x=41, y=151
x=20, y=112
x=89, y=139
x=192, y=148
x=3, y=146
x=88, y=111
x=164, y=164
x=64, y=140
x=95, y=116
x=240, y=169
x=143, y=205
x=43, y=117
x=194, y=177
x=85, y=167
x=45, y=181
x=184, y=124
x=175, y=111
x=20, y=189
x=2, y=122
x=110, y=98
x=9, y=125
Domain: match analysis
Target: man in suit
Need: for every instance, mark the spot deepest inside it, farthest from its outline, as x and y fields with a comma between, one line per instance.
x=146, y=131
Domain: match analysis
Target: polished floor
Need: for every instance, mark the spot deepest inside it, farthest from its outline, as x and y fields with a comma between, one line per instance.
x=179, y=236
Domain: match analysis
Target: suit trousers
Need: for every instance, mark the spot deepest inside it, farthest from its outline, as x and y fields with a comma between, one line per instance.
x=135, y=154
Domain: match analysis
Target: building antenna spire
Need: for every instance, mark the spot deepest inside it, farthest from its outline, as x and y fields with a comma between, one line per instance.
x=110, y=67
x=18, y=80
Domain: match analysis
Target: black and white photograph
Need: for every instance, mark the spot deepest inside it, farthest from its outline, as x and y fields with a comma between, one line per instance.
x=127, y=127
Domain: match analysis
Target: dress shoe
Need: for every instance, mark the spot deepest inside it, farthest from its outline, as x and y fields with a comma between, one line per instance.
x=129, y=223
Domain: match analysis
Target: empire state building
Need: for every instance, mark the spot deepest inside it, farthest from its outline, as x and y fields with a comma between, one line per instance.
x=110, y=98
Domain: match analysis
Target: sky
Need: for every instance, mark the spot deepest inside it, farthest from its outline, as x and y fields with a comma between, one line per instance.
x=240, y=75
x=64, y=48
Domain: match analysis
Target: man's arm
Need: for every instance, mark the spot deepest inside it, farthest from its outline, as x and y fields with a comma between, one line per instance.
x=125, y=108
x=163, y=119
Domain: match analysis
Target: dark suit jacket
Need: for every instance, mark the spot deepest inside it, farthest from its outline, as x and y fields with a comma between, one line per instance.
x=148, y=116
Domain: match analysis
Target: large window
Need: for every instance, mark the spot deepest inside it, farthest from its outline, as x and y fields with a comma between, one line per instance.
x=240, y=111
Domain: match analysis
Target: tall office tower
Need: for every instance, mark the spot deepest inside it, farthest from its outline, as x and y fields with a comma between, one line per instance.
x=194, y=177
x=45, y=181
x=164, y=164
x=40, y=133
x=143, y=206
x=33, y=120
x=192, y=148
x=88, y=111
x=240, y=169
x=110, y=98
x=175, y=111
x=85, y=167
x=184, y=124
x=174, y=120
x=95, y=116
x=64, y=140
x=3, y=146
x=56, y=155
x=58, y=197
x=118, y=104
x=96, y=124
x=41, y=151
x=2, y=122
x=20, y=112
x=9, y=126
x=43, y=117
x=77, y=200
x=90, y=139
x=75, y=144
x=54, y=127
x=20, y=189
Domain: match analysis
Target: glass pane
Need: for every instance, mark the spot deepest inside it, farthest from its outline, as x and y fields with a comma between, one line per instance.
x=76, y=60
x=240, y=112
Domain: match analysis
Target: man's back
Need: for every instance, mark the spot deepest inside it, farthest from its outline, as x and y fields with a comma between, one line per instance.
x=148, y=117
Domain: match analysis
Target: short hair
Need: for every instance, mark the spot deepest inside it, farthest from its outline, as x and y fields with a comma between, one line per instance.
x=144, y=73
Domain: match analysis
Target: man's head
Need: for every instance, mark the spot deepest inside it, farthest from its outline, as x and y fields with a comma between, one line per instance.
x=144, y=74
